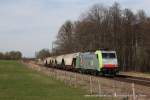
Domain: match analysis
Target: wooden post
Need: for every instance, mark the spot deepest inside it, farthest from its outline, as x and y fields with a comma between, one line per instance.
x=50, y=72
x=65, y=78
x=114, y=86
x=91, y=85
x=75, y=80
x=70, y=79
x=82, y=77
x=133, y=90
x=99, y=88
x=56, y=74
x=53, y=73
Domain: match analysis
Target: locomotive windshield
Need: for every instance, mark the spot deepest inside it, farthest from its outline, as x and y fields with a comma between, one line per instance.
x=109, y=55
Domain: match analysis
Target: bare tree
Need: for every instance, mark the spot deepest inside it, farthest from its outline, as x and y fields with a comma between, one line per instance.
x=65, y=37
x=113, y=28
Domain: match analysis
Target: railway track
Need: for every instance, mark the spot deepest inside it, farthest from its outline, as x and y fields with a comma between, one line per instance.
x=122, y=78
x=133, y=79
x=130, y=79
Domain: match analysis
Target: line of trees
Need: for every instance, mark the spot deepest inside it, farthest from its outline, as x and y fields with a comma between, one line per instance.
x=12, y=55
x=113, y=28
x=42, y=54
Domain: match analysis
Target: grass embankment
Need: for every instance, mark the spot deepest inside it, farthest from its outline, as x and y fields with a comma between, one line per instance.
x=20, y=83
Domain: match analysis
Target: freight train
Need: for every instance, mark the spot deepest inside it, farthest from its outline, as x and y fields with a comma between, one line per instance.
x=100, y=62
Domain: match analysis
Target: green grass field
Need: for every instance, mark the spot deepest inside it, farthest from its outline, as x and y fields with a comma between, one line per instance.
x=20, y=83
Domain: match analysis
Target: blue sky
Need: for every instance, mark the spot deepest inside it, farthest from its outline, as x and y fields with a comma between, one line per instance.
x=30, y=25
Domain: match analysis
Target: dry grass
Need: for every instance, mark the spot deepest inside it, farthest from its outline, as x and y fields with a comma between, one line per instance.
x=96, y=85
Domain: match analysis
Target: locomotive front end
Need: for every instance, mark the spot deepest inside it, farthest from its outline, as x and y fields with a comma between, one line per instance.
x=109, y=62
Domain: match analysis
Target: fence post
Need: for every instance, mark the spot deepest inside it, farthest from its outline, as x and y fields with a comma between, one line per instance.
x=75, y=80
x=133, y=90
x=62, y=76
x=53, y=74
x=91, y=85
x=82, y=77
x=99, y=88
x=70, y=78
x=114, y=86
x=56, y=74
x=65, y=78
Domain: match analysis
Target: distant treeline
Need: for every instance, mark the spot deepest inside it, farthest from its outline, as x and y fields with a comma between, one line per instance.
x=42, y=54
x=12, y=55
x=112, y=27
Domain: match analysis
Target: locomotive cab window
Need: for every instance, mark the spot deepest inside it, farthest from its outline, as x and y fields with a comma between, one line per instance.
x=109, y=55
